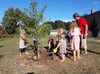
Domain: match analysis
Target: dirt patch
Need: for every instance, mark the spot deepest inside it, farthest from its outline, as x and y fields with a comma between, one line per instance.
x=33, y=60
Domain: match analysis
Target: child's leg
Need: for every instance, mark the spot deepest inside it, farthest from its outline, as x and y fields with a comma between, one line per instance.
x=34, y=47
x=53, y=56
x=26, y=50
x=63, y=57
x=78, y=53
x=20, y=52
x=74, y=55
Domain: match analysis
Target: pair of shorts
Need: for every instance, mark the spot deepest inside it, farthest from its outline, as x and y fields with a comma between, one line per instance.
x=22, y=50
x=83, y=42
x=35, y=42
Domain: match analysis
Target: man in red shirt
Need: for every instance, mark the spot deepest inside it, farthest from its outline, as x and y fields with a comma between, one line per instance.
x=84, y=30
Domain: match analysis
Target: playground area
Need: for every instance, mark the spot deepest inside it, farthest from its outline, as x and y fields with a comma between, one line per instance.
x=12, y=63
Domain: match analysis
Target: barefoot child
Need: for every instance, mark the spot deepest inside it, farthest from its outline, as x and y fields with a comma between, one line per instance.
x=62, y=45
x=75, y=42
x=22, y=43
x=59, y=32
x=35, y=41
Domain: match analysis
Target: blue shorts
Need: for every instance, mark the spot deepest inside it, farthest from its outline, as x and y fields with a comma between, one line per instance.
x=35, y=42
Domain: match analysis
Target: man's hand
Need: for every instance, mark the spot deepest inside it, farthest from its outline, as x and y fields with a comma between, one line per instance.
x=85, y=35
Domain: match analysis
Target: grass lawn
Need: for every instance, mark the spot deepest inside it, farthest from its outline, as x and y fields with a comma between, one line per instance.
x=12, y=63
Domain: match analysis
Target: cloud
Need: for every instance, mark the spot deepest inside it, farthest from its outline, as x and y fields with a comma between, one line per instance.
x=66, y=20
x=95, y=3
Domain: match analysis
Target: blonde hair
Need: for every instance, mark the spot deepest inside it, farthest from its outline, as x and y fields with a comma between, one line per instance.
x=73, y=25
x=62, y=36
x=60, y=30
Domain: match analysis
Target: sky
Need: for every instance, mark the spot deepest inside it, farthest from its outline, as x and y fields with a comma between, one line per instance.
x=56, y=9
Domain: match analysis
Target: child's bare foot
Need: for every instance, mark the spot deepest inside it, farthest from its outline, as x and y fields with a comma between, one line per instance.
x=74, y=60
x=82, y=54
x=85, y=52
x=26, y=52
x=79, y=57
x=20, y=54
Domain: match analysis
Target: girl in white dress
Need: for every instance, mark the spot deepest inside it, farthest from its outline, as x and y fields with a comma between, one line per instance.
x=22, y=45
x=75, y=42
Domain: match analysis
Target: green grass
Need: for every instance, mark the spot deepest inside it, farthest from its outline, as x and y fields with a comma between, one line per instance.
x=9, y=56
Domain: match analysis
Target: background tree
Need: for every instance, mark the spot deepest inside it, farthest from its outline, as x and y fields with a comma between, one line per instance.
x=11, y=17
x=59, y=24
x=67, y=25
x=35, y=13
x=45, y=29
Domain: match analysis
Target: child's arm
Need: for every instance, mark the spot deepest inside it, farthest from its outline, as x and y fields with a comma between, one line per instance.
x=49, y=45
x=24, y=38
x=56, y=38
x=58, y=45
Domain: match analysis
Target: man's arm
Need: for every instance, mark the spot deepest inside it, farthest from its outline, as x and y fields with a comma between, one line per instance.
x=86, y=28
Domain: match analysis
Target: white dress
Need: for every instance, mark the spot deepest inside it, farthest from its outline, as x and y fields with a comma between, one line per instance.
x=21, y=42
x=75, y=42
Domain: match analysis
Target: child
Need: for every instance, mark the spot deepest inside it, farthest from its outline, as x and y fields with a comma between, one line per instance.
x=59, y=32
x=22, y=43
x=35, y=41
x=62, y=45
x=68, y=37
x=51, y=44
x=75, y=42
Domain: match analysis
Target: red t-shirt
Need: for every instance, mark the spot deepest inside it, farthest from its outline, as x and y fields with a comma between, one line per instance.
x=82, y=22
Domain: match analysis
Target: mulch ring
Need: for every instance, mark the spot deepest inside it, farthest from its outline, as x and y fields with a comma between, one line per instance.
x=44, y=58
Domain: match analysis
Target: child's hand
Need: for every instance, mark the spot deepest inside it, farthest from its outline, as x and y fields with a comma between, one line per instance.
x=48, y=49
x=56, y=48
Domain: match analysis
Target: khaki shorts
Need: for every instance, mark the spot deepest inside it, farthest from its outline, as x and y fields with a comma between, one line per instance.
x=83, y=42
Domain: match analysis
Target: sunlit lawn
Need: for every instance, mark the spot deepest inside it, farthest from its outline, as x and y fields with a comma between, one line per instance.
x=9, y=55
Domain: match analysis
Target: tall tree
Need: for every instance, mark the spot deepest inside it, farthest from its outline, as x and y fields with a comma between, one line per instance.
x=34, y=13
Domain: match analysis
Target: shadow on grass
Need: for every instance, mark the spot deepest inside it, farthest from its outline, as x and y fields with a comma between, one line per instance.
x=93, y=52
x=30, y=73
x=69, y=53
x=1, y=46
x=46, y=47
x=1, y=56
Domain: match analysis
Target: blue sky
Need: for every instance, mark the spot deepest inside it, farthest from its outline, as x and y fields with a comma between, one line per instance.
x=56, y=9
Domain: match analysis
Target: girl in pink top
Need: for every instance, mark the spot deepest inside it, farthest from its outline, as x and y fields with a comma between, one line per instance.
x=75, y=42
